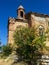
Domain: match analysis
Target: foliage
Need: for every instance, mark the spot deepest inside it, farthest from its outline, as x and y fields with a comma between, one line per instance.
x=0, y=47
x=7, y=50
x=29, y=44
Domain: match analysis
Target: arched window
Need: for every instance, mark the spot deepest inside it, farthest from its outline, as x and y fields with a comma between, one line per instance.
x=21, y=13
x=41, y=30
x=48, y=23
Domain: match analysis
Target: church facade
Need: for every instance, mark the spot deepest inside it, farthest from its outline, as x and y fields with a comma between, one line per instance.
x=31, y=19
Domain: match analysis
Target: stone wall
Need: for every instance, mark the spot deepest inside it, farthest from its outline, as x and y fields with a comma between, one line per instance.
x=37, y=21
x=13, y=25
x=30, y=20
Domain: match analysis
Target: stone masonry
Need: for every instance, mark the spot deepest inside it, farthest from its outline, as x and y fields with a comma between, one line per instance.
x=30, y=19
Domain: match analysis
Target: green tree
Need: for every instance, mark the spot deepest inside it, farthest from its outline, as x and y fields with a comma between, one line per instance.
x=7, y=50
x=0, y=47
x=29, y=44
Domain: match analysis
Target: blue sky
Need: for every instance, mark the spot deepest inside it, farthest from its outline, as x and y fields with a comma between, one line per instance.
x=8, y=9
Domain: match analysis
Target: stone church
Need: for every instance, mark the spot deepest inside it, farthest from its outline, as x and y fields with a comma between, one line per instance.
x=31, y=19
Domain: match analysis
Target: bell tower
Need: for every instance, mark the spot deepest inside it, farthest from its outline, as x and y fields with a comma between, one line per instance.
x=14, y=23
x=21, y=12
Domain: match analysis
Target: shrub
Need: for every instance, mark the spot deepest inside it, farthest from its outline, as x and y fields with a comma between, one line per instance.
x=7, y=50
x=29, y=44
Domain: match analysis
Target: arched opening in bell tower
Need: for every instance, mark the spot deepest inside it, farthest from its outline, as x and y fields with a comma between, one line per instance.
x=21, y=13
